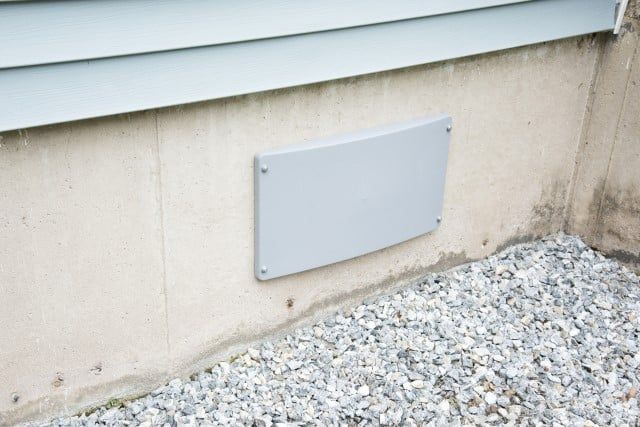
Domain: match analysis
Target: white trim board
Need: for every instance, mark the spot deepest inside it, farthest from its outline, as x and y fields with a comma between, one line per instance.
x=622, y=8
x=52, y=93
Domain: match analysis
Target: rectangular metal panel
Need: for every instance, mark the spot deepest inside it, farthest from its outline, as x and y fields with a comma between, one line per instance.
x=37, y=95
x=325, y=201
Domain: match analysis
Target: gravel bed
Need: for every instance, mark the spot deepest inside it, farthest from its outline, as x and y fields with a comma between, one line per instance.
x=542, y=333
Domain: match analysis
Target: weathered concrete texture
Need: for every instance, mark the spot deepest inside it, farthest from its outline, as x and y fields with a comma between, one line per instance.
x=606, y=200
x=80, y=270
x=126, y=243
x=507, y=178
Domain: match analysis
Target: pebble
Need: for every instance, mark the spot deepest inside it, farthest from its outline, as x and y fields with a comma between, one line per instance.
x=417, y=384
x=490, y=398
x=544, y=333
x=511, y=372
x=364, y=390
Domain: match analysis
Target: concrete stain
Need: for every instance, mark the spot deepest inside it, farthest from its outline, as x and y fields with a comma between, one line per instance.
x=547, y=216
x=516, y=240
x=614, y=223
x=589, y=39
x=626, y=201
x=618, y=227
x=91, y=398
x=239, y=340
x=595, y=206
x=629, y=259
x=593, y=212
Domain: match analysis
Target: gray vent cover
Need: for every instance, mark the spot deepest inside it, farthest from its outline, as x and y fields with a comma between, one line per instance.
x=325, y=201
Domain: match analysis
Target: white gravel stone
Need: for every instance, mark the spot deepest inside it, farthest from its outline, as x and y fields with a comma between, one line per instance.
x=490, y=398
x=364, y=390
x=417, y=384
x=444, y=406
x=544, y=333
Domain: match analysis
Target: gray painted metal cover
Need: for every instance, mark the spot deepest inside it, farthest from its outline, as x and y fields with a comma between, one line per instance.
x=320, y=202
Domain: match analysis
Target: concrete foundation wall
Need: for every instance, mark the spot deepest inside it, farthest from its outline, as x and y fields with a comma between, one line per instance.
x=126, y=243
x=605, y=207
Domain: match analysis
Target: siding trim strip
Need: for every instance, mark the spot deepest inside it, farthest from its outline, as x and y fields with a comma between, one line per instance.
x=39, y=95
x=41, y=32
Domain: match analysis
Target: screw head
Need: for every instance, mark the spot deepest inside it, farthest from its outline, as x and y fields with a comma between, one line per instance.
x=439, y=219
x=264, y=168
x=449, y=127
x=264, y=269
x=15, y=397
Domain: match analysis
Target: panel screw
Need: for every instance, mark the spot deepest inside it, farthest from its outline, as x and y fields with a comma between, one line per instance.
x=439, y=219
x=449, y=128
x=15, y=397
x=263, y=270
x=264, y=168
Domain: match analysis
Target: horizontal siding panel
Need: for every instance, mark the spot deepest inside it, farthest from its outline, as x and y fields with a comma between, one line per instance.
x=40, y=32
x=69, y=91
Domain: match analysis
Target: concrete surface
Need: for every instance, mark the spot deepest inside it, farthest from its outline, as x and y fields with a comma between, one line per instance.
x=605, y=205
x=126, y=243
x=80, y=269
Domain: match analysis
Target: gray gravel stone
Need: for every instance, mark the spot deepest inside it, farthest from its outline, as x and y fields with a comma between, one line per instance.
x=542, y=333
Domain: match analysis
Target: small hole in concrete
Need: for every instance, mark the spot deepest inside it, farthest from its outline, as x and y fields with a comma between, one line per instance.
x=97, y=369
x=59, y=380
